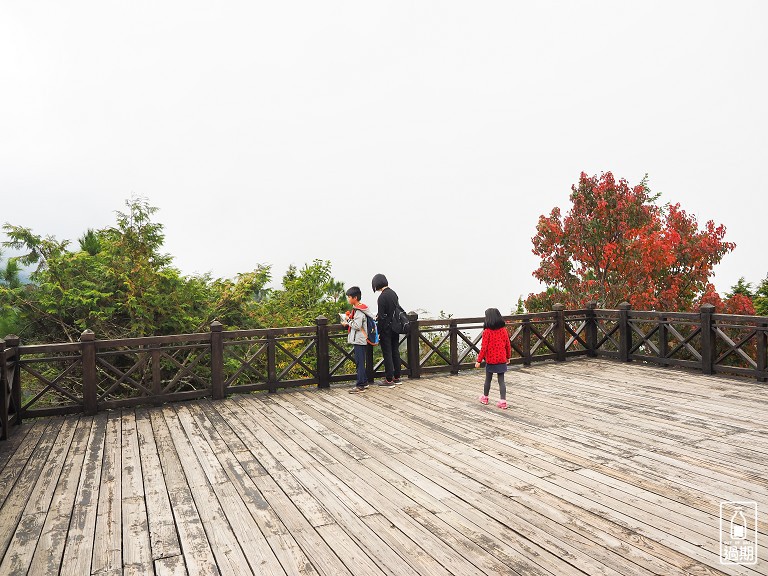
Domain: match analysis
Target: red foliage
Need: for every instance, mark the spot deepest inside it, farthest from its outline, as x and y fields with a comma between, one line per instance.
x=710, y=296
x=739, y=304
x=733, y=304
x=615, y=244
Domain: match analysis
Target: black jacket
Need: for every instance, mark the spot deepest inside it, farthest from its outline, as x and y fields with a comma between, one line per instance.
x=388, y=303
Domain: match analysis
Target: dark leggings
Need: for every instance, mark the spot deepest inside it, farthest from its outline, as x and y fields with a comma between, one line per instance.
x=502, y=386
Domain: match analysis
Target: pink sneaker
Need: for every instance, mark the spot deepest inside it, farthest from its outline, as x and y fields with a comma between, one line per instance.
x=483, y=399
x=501, y=404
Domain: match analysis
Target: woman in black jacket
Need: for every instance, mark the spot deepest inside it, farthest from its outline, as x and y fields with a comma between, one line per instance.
x=388, y=338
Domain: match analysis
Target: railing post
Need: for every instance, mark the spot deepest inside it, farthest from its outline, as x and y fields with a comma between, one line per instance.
x=370, y=375
x=4, y=395
x=707, y=339
x=88, y=355
x=762, y=352
x=526, y=334
x=271, y=361
x=157, y=375
x=13, y=342
x=559, y=310
x=625, y=332
x=663, y=338
x=217, y=361
x=453, y=341
x=414, y=354
x=323, y=353
x=591, y=329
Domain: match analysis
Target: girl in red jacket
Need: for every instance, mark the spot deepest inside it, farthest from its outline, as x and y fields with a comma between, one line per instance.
x=496, y=351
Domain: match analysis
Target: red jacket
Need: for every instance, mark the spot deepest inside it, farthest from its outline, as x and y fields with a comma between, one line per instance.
x=495, y=348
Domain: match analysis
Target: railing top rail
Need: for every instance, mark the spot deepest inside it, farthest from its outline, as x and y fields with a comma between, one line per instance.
x=512, y=318
x=265, y=332
x=538, y=315
x=655, y=315
x=150, y=340
x=679, y=315
x=49, y=348
x=739, y=319
x=445, y=322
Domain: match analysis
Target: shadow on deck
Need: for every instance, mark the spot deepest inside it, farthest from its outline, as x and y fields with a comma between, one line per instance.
x=596, y=468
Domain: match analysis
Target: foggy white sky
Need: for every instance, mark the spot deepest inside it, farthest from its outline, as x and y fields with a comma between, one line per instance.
x=261, y=129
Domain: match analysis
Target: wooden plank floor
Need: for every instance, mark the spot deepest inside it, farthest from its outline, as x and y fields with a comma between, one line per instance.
x=597, y=468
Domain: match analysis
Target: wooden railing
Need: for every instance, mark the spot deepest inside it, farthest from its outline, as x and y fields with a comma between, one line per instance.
x=92, y=375
x=10, y=385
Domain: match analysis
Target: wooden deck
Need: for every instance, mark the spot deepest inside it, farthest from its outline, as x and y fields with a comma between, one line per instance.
x=598, y=467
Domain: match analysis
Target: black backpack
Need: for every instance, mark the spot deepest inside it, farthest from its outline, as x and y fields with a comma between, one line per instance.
x=400, y=322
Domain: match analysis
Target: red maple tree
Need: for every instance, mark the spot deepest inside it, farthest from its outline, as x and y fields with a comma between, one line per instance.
x=733, y=304
x=617, y=244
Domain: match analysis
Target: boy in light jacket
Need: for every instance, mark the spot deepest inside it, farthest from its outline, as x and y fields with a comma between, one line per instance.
x=356, y=323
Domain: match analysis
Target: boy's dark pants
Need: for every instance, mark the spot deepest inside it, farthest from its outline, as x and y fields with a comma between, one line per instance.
x=362, y=377
x=390, y=349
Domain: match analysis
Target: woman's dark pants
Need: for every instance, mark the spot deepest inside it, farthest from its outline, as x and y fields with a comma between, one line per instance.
x=390, y=349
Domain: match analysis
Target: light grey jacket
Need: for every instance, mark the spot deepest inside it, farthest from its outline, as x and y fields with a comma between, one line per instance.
x=358, y=325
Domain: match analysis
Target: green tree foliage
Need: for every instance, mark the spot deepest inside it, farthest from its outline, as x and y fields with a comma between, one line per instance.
x=10, y=279
x=306, y=294
x=544, y=301
x=235, y=303
x=90, y=242
x=10, y=275
x=118, y=282
x=741, y=287
x=520, y=306
x=760, y=297
x=10, y=319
